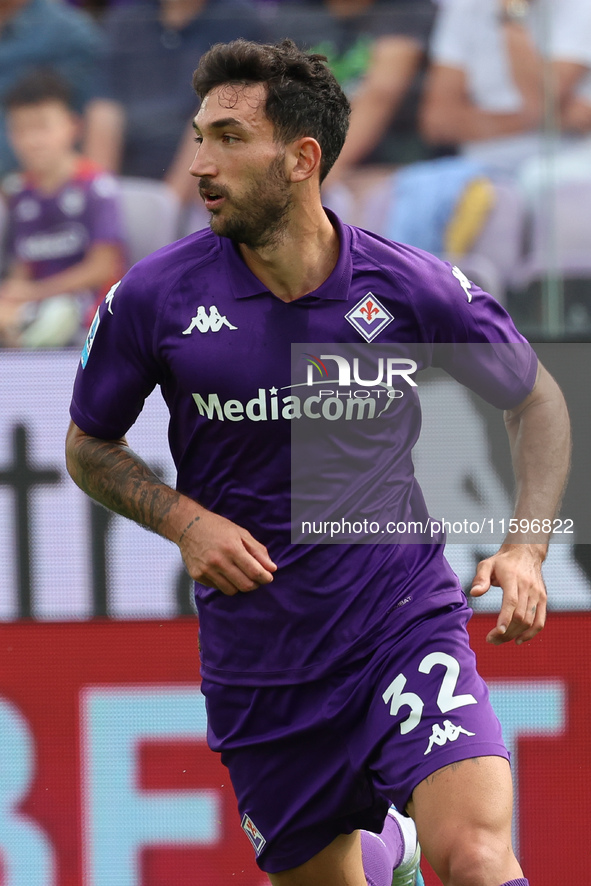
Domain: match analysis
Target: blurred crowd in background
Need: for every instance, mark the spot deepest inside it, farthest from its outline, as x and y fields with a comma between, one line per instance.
x=470, y=137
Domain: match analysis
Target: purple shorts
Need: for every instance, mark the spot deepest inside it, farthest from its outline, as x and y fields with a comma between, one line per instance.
x=312, y=761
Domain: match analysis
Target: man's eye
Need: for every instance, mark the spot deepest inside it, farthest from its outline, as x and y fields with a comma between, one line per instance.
x=229, y=139
x=198, y=139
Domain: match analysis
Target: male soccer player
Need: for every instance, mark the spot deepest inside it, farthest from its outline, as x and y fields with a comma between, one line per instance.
x=338, y=678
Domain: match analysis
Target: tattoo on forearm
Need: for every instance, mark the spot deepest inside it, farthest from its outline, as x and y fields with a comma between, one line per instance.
x=118, y=478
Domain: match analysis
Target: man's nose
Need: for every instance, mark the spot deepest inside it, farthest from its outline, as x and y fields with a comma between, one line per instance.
x=203, y=163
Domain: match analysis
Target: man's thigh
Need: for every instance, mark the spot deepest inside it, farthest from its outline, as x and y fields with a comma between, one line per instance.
x=430, y=707
x=463, y=818
x=477, y=792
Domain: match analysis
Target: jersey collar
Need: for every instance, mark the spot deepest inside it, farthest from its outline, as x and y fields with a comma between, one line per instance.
x=244, y=283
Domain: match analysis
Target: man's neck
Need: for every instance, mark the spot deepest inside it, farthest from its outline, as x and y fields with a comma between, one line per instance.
x=301, y=261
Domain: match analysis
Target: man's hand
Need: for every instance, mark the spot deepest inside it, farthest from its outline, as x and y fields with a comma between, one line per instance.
x=216, y=551
x=539, y=437
x=517, y=569
x=223, y=555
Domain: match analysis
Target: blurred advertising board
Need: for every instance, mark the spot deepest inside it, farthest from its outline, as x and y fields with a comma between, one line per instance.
x=106, y=778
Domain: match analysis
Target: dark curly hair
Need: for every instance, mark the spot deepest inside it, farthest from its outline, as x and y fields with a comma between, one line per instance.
x=303, y=96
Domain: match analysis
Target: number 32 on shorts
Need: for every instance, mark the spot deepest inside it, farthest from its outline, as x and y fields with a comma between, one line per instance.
x=397, y=698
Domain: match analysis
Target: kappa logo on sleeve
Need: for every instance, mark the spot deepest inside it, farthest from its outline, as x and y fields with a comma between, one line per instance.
x=253, y=834
x=110, y=296
x=369, y=317
x=463, y=281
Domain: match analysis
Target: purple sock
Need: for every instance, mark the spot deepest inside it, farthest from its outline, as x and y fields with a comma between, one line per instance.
x=521, y=882
x=383, y=852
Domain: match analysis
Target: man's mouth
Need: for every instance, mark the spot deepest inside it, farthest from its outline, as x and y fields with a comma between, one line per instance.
x=212, y=198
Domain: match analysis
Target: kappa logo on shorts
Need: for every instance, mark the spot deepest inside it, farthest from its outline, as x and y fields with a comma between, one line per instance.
x=253, y=834
x=369, y=317
x=450, y=732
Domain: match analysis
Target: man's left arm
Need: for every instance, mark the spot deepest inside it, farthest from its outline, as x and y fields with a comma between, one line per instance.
x=539, y=437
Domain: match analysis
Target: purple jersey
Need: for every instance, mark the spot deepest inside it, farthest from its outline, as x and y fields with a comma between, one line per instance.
x=193, y=319
x=51, y=232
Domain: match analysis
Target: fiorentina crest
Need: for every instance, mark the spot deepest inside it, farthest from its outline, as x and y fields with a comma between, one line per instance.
x=253, y=833
x=369, y=317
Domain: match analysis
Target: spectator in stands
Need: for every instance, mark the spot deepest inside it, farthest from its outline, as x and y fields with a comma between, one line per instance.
x=46, y=34
x=153, y=48
x=65, y=246
x=502, y=72
x=376, y=48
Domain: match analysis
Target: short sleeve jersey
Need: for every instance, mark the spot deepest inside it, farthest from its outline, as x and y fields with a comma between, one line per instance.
x=194, y=320
x=51, y=232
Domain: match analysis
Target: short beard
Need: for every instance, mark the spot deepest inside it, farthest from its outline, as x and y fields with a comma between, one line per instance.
x=259, y=218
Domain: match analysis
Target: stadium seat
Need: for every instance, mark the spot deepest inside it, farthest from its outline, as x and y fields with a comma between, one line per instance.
x=501, y=241
x=560, y=234
x=362, y=199
x=151, y=213
x=497, y=252
x=552, y=287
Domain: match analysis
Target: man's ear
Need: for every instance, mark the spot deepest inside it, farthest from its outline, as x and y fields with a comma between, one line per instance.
x=303, y=156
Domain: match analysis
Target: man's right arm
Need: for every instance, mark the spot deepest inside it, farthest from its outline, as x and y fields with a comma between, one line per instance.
x=216, y=552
